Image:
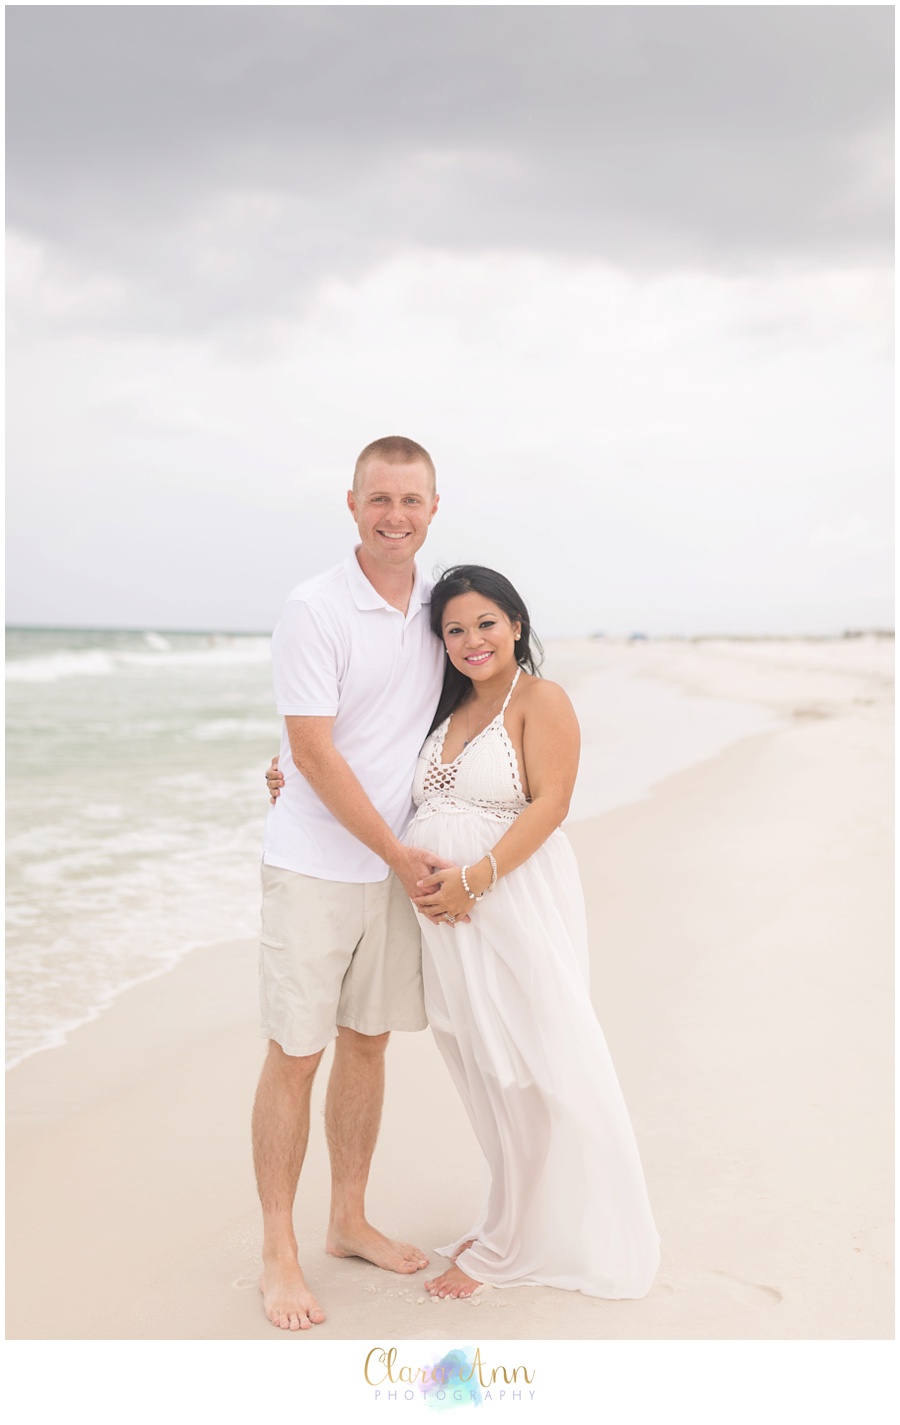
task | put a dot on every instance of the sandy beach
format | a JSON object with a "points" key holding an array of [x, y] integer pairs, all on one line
{"points": [[742, 970]]}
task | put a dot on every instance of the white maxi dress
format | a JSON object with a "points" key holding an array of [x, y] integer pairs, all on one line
{"points": [[508, 1003]]}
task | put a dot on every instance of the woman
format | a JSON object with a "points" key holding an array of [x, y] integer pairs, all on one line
{"points": [[505, 967], [507, 993]]}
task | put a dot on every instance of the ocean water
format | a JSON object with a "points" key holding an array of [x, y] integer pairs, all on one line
{"points": [[134, 815], [136, 798]]}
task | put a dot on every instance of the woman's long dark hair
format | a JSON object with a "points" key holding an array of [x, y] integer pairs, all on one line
{"points": [[475, 579]]}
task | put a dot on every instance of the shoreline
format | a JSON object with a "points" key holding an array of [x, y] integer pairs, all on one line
{"points": [[621, 762], [753, 1052]]}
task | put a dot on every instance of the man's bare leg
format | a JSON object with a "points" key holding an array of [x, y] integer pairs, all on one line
{"points": [[352, 1117], [280, 1134]]}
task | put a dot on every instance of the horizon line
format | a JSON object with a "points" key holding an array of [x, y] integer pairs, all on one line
{"points": [[597, 637]]}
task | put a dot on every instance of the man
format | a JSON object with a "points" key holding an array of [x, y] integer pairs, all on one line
{"points": [[358, 674]]}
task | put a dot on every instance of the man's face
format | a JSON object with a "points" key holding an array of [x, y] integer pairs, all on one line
{"points": [[393, 508]]}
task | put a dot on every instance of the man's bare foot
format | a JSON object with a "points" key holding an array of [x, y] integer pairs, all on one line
{"points": [[288, 1301], [453, 1282], [364, 1241]]}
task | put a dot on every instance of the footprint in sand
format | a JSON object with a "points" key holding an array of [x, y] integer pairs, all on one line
{"points": [[245, 1283], [750, 1293]]}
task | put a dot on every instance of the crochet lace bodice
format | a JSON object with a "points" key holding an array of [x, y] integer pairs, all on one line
{"points": [[484, 778]]}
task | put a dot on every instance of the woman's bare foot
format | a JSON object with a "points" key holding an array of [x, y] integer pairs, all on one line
{"points": [[453, 1282], [288, 1301], [366, 1242]]}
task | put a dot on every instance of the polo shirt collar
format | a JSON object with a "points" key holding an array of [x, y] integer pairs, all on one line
{"points": [[367, 597]]}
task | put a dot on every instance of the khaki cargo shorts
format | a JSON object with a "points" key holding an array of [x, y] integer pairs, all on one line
{"points": [[336, 953]]}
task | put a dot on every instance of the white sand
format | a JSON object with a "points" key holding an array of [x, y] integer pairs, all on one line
{"points": [[742, 972]]}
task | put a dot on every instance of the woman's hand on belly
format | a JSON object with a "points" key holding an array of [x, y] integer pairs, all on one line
{"points": [[444, 899]]}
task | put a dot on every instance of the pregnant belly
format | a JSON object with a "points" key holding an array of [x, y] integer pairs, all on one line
{"points": [[463, 837]]}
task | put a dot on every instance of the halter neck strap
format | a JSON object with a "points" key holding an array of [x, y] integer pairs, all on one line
{"points": [[510, 693]]}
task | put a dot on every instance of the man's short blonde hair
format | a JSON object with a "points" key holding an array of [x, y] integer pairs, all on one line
{"points": [[394, 450]]}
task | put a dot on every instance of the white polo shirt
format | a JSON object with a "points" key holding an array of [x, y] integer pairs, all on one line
{"points": [[339, 650]]}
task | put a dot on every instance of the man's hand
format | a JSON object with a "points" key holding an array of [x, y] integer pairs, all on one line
{"points": [[413, 865], [274, 780]]}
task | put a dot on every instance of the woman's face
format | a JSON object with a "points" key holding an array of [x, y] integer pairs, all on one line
{"points": [[479, 637]]}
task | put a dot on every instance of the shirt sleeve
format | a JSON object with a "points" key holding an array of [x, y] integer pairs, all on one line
{"points": [[306, 662]]}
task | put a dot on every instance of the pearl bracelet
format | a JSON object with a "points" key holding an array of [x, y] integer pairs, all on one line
{"points": [[471, 894]]}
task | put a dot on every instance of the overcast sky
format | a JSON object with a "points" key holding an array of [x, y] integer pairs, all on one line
{"points": [[624, 271]]}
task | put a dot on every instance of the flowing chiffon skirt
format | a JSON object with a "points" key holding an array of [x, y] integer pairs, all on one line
{"points": [[508, 1003]]}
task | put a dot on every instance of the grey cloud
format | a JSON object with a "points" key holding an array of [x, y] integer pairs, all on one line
{"points": [[218, 159]]}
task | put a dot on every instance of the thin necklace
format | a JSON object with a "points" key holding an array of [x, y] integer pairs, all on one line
{"points": [[468, 737]]}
